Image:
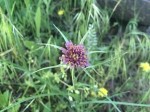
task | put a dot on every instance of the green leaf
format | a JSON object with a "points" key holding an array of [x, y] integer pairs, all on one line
{"points": [[66, 40], [31, 45], [8, 6], [38, 21], [15, 108], [27, 2], [4, 99]]}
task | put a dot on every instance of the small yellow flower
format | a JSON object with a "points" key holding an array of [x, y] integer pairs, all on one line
{"points": [[102, 92], [93, 94], [145, 66], [60, 12]]}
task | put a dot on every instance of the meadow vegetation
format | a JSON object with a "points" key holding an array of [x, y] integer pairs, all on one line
{"points": [[34, 79]]}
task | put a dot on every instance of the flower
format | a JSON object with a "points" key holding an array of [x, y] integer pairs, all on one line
{"points": [[145, 66], [93, 94], [74, 55], [60, 12], [102, 92]]}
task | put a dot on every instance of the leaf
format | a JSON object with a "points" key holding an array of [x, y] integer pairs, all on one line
{"points": [[8, 6], [27, 2], [15, 108], [31, 45], [66, 40], [4, 99], [38, 21]]}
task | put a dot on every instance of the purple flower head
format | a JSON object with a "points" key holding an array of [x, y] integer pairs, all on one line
{"points": [[74, 55]]}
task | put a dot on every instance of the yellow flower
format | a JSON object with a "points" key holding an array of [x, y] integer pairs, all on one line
{"points": [[93, 94], [60, 12], [102, 92], [145, 66]]}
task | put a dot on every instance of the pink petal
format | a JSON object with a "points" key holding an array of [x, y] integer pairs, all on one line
{"points": [[68, 44]]}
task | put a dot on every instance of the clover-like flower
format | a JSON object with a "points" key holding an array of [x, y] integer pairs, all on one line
{"points": [[74, 55]]}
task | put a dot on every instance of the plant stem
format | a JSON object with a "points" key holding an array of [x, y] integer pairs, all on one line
{"points": [[72, 75]]}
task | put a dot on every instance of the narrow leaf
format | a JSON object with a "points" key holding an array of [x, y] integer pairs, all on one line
{"points": [[66, 40], [38, 21]]}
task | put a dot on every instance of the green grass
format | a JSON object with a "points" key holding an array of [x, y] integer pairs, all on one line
{"points": [[32, 78]]}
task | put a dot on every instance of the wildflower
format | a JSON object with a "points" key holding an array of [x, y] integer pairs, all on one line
{"points": [[74, 55], [145, 66], [93, 94], [60, 12], [102, 92]]}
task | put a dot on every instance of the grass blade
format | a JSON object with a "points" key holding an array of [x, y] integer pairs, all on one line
{"points": [[66, 40]]}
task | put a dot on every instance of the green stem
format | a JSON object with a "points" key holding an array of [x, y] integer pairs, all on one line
{"points": [[72, 75]]}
